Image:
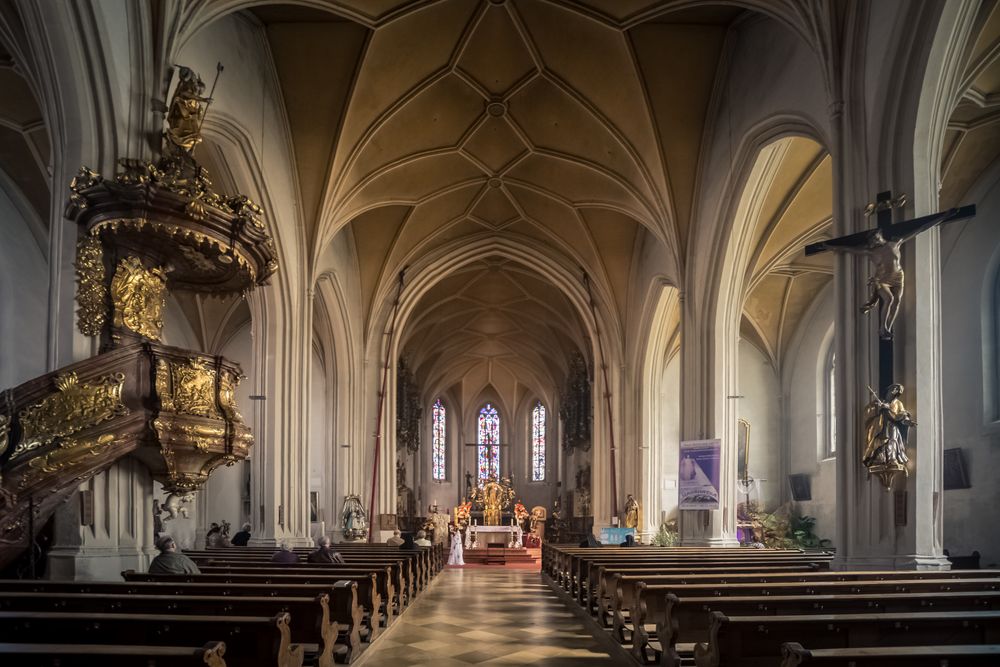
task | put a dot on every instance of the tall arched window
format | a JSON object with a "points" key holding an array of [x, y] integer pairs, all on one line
{"points": [[439, 447], [831, 404], [538, 443], [488, 440]]}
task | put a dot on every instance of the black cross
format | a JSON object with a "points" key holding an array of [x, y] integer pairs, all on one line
{"points": [[891, 232], [489, 454]]}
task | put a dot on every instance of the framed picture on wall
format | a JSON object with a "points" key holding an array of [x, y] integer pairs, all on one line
{"points": [[314, 506]]}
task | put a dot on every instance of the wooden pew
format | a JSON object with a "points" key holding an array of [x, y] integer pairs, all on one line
{"points": [[111, 655], [685, 621], [651, 606], [744, 641], [396, 589], [643, 596], [428, 561], [582, 579], [600, 598], [257, 640], [345, 607], [566, 561], [981, 655], [416, 567], [406, 572], [311, 624], [368, 595], [370, 587]]}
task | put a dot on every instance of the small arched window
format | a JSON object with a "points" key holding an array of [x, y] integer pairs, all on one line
{"points": [[538, 443], [488, 439], [439, 443]]}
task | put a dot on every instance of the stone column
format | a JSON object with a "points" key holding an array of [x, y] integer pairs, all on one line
{"points": [[708, 380], [876, 528], [121, 534], [279, 478]]}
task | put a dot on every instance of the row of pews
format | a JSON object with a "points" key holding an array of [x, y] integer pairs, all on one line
{"points": [[746, 607], [241, 610]]}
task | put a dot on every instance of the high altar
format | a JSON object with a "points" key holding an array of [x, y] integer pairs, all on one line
{"points": [[490, 500], [492, 497]]}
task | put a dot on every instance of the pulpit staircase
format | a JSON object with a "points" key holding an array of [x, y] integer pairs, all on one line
{"points": [[152, 228]]}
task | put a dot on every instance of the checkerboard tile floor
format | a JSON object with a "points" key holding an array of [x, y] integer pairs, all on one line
{"points": [[488, 617]]}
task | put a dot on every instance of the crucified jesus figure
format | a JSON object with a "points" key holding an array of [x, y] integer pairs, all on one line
{"points": [[886, 282], [881, 245]]}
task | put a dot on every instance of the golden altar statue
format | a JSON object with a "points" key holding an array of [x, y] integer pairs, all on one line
{"points": [[493, 496]]}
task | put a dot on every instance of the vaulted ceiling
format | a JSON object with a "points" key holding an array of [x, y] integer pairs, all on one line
{"points": [[796, 209], [573, 127], [24, 149], [972, 142]]}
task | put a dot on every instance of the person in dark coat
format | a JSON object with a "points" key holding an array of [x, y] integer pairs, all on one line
{"points": [[325, 552], [408, 543], [284, 554], [170, 560], [242, 538]]}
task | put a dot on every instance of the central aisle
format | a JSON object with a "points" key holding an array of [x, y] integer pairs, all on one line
{"points": [[488, 617]]}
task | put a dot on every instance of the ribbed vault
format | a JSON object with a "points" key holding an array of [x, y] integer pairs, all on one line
{"points": [[796, 208]]}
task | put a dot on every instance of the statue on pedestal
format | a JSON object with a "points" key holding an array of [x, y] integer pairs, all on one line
{"points": [[631, 512], [887, 423], [355, 519]]}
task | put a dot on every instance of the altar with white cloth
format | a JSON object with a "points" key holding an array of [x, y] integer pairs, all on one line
{"points": [[478, 537]]}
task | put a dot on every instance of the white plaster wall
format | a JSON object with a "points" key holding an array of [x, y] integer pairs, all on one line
{"points": [[760, 405], [806, 414], [24, 283], [969, 257]]}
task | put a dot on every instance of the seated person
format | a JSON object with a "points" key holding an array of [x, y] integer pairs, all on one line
{"points": [[629, 541], [590, 541], [408, 543], [422, 540], [170, 560], [325, 553], [242, 538], [395, 540], [212, 537], [284, 554]]}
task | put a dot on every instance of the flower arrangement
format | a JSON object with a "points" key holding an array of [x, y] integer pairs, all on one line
{"points": [[520, 512], [463, 512]]}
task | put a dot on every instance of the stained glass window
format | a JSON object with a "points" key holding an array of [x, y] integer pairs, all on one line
{"points": [[538, 443], [489, 440], [438, 443]]}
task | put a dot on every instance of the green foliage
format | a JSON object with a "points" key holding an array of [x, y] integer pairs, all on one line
{"points": [[667, 536], [782, 529], [801, 530]]}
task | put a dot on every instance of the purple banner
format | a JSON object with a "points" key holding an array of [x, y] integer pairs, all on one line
{"points": [[698, 484]]}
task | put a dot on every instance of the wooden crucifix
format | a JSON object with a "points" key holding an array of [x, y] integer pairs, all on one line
{"points": [[882, 246]]}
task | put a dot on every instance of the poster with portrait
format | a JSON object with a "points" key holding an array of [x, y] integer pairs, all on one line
{"points": [[698, 483]]}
